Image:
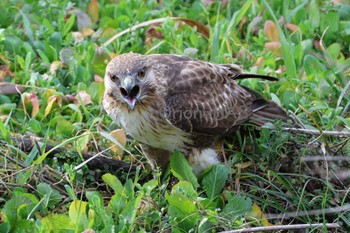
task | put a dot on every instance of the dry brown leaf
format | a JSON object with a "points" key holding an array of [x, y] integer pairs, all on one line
{"points": [[35, 103], [271, 32], [201, 28], [259, 62], [78, 36], [98, 78], [256, 213], [10, 88], [151, 33], [88, 32], [274, 47], [55, 65], [84, 97], [50, 102], [292, 27], [120, 136], [5, 71], [93, 11], [83, 19]]}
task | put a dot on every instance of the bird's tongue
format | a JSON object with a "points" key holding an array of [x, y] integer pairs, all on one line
{"points": [[131, 102]]}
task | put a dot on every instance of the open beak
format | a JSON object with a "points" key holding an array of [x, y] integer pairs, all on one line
{"points": [[130, 91]]}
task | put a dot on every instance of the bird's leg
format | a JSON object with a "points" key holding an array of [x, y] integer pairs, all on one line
{"points": [[201, 159], [156, 156]]}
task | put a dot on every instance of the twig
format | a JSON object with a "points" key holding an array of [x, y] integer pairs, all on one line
{"points": [[344, 208], [14, 160], [26, 186], [328, 158], [296, 118], [318, 132], [200, 28], [100, 162], [284, 227]]}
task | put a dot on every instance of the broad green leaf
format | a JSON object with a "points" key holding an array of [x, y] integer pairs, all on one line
{"points": [[215, 180], [314, 16], [129, 213], [64, 127], [334, 51], [27, 29], [81, 142], [312, 65], [183, 212], [236, 206], [181, 169], [11, 208], [57, 223], [35, 125], [113, 182], [68, 26], [77, 214], [70, 192], [94, 198], [51, 195]]}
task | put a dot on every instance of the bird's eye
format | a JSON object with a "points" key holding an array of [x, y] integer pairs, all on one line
{"points": [[114, 78], [141, 73]]}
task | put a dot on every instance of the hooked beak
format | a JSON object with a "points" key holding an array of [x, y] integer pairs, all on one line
{"points": [[130, 91]]}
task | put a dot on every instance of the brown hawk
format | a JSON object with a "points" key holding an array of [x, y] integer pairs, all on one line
{"points": [[170, 102]]}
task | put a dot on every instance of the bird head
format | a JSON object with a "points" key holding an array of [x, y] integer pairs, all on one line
{"points": [[127, 78]]}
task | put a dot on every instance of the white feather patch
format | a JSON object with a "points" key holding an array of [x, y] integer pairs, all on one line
{"points": [[202, 159]]}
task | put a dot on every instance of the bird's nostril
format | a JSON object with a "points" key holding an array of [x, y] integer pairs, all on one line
{"points": [[123, 92], [130, 93], [134, 91]]}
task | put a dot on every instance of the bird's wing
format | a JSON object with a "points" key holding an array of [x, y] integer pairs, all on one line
{"points": [[202, 97]]}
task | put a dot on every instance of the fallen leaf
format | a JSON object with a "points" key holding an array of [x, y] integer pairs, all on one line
{"points": [[55, 65], [5, 71], [88, 32], [84, 97], [98, 78], [292, 27], [93, 11], [259, 62], [201, 28], [83, 19], [274, 47], [271, 32], [153, 32], [256, 213], [35, 103], [317, 44], [66, 55], [7, 88], [52, 99], [120, 136], [78, 37]]}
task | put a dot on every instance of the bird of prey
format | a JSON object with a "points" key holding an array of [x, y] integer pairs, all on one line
{"points": [[170, 102]]}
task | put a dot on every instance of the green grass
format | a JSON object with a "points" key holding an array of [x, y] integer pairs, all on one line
{"points": [[44, 47]]}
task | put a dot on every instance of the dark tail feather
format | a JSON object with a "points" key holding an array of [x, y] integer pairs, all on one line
{"points": [[244, 76], [265, 110]]}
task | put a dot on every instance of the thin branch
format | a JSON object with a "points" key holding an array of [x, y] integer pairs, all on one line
{"points": [[318, 132], [284, 227], [333, 210], [327, 158], [200, 27]]}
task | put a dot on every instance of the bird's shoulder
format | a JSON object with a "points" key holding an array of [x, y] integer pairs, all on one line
{"points": [[183, 73]]}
